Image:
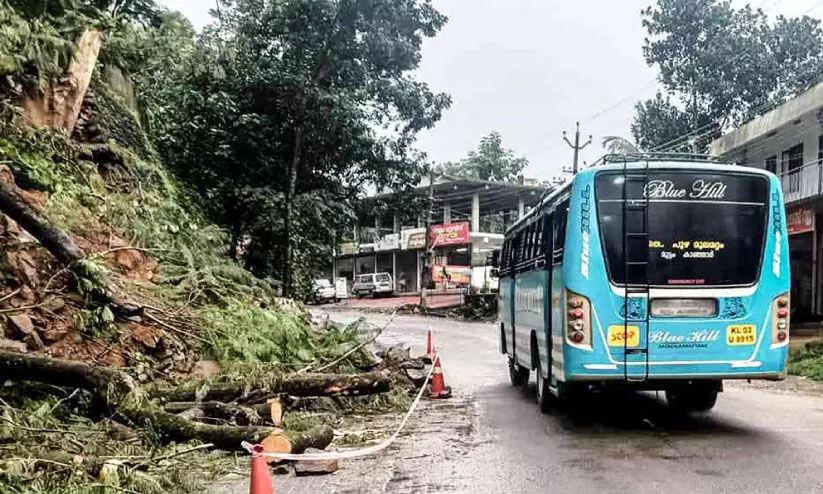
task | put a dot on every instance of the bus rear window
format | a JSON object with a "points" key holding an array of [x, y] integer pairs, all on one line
{"points": [[703, 228]]}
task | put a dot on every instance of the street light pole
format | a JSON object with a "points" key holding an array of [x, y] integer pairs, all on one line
{"points": [[576, 146], [429, 246]]}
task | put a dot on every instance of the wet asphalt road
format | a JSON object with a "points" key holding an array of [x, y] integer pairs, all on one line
{"points": [[490, 437]]}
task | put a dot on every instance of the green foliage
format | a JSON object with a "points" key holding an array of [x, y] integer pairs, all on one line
{"points": [[249, 334], [659, 121], [32, 430], [243, 334], [491, 161], [618, 145], [32, 49], [808, 360], [40, 159], [719, 66], [321, 90]]}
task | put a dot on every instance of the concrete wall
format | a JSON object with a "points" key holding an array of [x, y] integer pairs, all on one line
{"points": [[760, 127], [800, 184]]}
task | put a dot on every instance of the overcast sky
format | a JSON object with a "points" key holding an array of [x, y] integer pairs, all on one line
{"points": [[530, 68]]}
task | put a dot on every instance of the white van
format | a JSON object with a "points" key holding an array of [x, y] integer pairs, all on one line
{"points": [[373, 285]]}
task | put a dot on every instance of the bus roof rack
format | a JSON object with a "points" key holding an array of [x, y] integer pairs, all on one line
{"points": [[619, 158]]}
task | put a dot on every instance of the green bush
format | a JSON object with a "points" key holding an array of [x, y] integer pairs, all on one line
{"points": [[808, 360]]}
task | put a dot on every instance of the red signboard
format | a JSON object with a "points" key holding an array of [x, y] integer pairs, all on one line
{"points": [[450, 234], [800, 221]]}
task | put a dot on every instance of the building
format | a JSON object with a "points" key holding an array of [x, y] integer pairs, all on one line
{"points": [[469, 218], [788, 141]]}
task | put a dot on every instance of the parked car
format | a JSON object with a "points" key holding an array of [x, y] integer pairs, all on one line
{"points": [[324, 291], [373, 285]]}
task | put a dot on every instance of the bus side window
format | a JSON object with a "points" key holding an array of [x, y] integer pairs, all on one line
{"points": [[561, 214], [522, 247], [532, 236], [501, 259], [546, 241]]}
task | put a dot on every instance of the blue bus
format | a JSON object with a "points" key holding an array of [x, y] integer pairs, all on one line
{"points": [[648, 272]]}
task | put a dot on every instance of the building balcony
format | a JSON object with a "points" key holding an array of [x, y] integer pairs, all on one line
{"points": [[802, 183]]}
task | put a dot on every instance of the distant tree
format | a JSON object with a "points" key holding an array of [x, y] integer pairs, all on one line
{"points": [[718, 67], [618, 145], [292, 109], [491, 161]]}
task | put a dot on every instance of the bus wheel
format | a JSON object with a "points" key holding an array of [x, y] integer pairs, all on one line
{"points": [[692, 398], [518, 375], [543, 393]]}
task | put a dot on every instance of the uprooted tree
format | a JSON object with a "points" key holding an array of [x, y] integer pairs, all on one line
{"points": [[119, 391]]}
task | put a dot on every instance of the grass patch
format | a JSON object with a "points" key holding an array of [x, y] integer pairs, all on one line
{"points": [[807, 361]]}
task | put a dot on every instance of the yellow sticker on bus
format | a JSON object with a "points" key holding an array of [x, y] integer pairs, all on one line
{"points": [[741, 334], [631, 335]]}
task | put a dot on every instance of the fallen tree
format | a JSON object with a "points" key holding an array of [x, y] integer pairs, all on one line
{"points": [[59, 244], [293, 385], [120, 392]]}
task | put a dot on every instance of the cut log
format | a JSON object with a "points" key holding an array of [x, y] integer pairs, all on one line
{"points": [[119, 391], [318, 437], [275, 443], [295, 385], [298, 442], [238, 414], [417, 377]]}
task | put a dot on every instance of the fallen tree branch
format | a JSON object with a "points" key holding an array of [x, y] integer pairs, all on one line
{"points": [[238, 414], [58, 243], [294, 385], [174, 329], [18, 309], [358, 347], [118, 390], [10, 295]]}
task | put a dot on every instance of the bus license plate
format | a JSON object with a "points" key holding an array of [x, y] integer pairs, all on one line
{"points": [[740, 334], [632, 336]]}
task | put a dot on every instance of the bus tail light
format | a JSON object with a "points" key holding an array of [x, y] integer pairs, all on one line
{"points": [[578, 319], [780, 319]]}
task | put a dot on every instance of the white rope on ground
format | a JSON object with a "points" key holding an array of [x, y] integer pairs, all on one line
{"points": [[355, 453]]}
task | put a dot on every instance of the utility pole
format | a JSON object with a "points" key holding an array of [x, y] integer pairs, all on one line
{"points": [[425, 278], [576, 146]]}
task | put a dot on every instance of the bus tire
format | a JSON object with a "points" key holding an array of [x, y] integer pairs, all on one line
{"points": [[518, 375], [543, 393], [692, 398]]}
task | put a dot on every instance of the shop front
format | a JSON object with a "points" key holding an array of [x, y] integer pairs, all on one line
{"points": [[408, 260], [802, 254], [451, 263]]}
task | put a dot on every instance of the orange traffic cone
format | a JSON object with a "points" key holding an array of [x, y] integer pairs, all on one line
{"points": [[438, 387], [429, 346], [260, 477]]}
